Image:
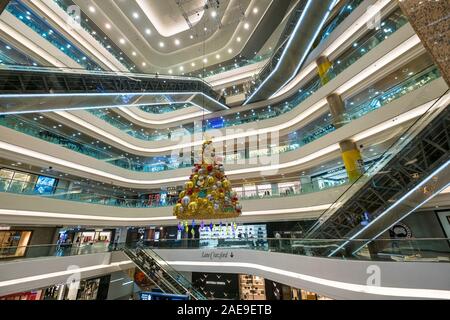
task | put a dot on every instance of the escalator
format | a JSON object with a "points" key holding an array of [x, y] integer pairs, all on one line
{"points": [[411, 172], [305, 23], [167, 279], [38, 89]]}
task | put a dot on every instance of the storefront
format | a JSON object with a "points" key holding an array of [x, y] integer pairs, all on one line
{"points": [[18, 182], [29, 295], [86, 237], [251, 287], [215, 286], [13, 242], [233, 235], [87, 289]]}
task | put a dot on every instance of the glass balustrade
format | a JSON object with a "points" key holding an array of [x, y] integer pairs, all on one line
{"points": [[165, 108], [10, 55], [109, 199], [98, 35], [318, 128], [238, 63], [24, 14], [390, 25], [389, 250], [345, 11]]}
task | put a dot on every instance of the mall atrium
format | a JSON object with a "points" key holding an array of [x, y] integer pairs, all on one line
{"points": [[224, 150]]}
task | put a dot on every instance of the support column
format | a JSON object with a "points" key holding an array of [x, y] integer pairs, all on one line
{"points": [[3, 4], [349, 150], [323, 68], [430, 19], [337, 109], [352, 159]]}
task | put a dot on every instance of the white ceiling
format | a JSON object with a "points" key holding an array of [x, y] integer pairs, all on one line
{"points": [[177, 35]]}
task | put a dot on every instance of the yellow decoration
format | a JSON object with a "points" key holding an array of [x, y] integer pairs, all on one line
{"points": [[193, 206], [226, 184], [178, 207], [189, 185]]}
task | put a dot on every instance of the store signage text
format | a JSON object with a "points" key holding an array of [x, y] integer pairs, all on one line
{"points": [[212, 255]]}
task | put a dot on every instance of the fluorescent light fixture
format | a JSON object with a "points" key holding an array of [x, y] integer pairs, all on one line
{"points": [[61, 215], [41, 214], [288, 45], [169, 120], [361, 22]]}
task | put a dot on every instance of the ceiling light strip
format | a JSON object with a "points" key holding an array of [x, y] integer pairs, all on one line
{"points": [[60, 215], [338, 43], [358, 288], [376, 66], [322, 152]]}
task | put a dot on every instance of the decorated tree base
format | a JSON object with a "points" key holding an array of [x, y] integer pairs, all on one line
{"points": [[208, 193]]}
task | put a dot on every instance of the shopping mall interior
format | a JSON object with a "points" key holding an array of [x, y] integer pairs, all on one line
{"points": [[224, 150]]}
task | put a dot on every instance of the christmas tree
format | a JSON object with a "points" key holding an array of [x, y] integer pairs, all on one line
{"points": [[208, 193]]}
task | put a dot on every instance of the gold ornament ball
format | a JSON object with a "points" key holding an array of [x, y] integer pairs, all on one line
{"points": [[193, 206], [189, 185]]}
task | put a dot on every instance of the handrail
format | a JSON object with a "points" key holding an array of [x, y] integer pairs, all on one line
{"points": [[385, 158], [123, 245], [162, 279], [149, 252]]}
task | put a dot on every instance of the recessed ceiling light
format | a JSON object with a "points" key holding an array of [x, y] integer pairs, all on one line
{"points": [[191, 36], [230, 50], [214, 13], [148, 31], [255, 10], [91, 9], [144, 64], [135, 15], [238, 39], [205, 29], [205, 60], [193, 64], [170, 71], [246, 26], [181, 68], [217, 56], [107, 26], [177, 42], [134, 53], [161, 44], [122, 40]]}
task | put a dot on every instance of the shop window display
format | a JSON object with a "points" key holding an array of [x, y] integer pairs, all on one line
{"points": [[13, 243], [217, 285], [252, 287], [30, 295]]}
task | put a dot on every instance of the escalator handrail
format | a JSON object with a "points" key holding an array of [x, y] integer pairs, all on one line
{"points": [[190, 290], [170, 288], [387, 155]]}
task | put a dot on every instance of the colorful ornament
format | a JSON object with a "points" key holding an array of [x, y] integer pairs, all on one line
{"points": [[208, 193]]}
